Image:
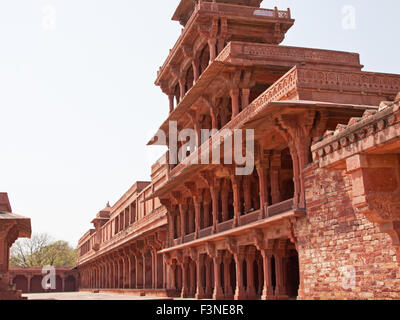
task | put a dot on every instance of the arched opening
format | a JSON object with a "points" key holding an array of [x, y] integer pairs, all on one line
{"points": [[58, 284], [21, 283], [36, 284], [70, 284], [293, 275]]}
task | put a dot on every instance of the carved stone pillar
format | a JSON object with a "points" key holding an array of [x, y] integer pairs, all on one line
{"points": [[298, 131], [236, 180], [200, 294], [245, 98], [262, 167], [185, 275], [171, 103], [216, 257], [235, 102], [240, 293], [212, 43], [280, 254], [268, 290]]}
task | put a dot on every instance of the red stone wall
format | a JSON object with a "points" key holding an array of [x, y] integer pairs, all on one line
{"points": [[333, 236]]}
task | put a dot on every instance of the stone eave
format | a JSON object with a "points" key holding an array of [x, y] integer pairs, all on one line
{"points": [[237, 231], [305, 105]]}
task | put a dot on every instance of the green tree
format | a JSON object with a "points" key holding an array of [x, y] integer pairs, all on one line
{"points": [[42, 250]]}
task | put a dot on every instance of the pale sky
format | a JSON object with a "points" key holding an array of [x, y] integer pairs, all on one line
{"points": [[78, 101]]}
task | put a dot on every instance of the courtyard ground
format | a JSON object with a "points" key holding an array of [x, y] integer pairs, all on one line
{"points": [[86, 296]]}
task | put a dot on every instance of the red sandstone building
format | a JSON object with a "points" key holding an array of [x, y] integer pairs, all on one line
{"points": [[317, 218]]}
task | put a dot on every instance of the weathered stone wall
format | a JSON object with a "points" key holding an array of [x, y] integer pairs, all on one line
{"points": [[332, 236]]}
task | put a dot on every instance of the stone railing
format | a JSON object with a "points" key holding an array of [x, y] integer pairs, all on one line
{"points": [[244, 220], [279, 208], [249, 218]]}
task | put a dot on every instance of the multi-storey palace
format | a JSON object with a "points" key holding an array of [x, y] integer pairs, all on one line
{"points": [[317, 218]]}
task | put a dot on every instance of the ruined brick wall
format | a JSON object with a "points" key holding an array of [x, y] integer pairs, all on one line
{"points": [[332, 236]]}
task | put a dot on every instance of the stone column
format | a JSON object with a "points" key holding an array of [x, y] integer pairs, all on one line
{"points": [[236, 199], [298, 131], [182, 88], [171, 277], [240, 293], [212, 43], [234, 93], [182, 211], [280, 291], [196, 73], [245, 98], [200, 294], [171, 102], [262, 167], [218, 294], [29, 278], [185, 275]]}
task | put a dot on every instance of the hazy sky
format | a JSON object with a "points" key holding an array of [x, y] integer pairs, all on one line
{"points": [[78, 101]]}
